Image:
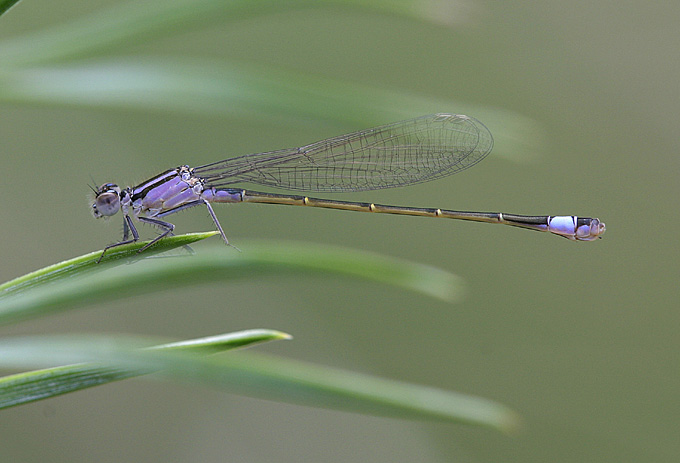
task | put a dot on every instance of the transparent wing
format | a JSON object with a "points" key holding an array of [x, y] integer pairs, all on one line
{"points": [[398, 154]]}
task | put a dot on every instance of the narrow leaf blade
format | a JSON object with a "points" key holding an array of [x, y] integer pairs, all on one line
{"points": [[64, 291], [266, 377], [126, 23], [82, 264], [31, 386], [249, 91]]}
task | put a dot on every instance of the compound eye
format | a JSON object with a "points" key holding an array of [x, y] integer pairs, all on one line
{"points": [[107, 201]]}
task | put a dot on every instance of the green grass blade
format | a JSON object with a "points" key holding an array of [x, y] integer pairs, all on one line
{"points": [[43, 384], [202, 86], [223, 342], [83, 264], [65, 291], [128, 23], [264, 377], [5, 5], [249, 91]]}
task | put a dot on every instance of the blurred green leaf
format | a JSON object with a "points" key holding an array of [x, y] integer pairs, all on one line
{"points": [[69, 286], [263, 377], [43, 384], [197, 87], [127, 23], [248, 91], [6, 5]]}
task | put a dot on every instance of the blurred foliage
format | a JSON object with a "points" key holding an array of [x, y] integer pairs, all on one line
{"points": [[65, 65], [81, 281]]}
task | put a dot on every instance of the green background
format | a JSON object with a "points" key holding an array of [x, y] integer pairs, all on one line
{"points": [[579, 338]]}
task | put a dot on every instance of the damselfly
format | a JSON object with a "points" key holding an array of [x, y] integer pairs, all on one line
{"points": [[393, 155]]}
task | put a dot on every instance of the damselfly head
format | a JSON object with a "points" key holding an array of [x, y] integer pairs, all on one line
{"points": [[106, 200]]}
